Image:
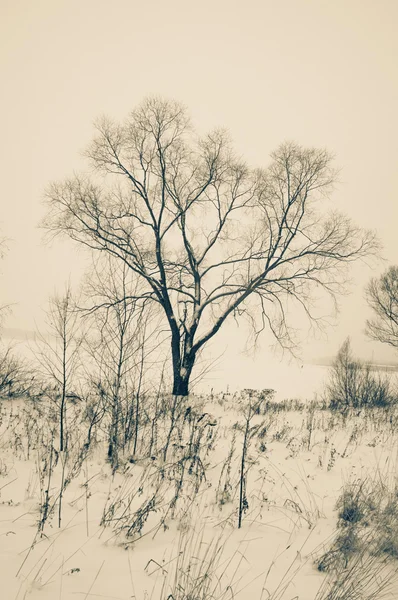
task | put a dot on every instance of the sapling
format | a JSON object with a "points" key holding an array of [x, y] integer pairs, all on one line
{"points": [[118, 346], [255, 402], [176, 410], [310, 425], [224, 488], [48, 467], [58, 354]]}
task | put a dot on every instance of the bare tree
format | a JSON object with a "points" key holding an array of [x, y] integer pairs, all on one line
{"points": [[119, 344], [209, 237], [382, 297], [58, 354]]}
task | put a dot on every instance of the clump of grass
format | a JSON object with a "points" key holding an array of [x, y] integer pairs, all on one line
{"points": [[346, 545], [165, 488], [356, 502], [224, 492], [387, 527], [366, 577], [367, 537], [200, 570]]}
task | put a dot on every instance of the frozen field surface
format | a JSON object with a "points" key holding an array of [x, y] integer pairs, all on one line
{"points": [[164, 524]]}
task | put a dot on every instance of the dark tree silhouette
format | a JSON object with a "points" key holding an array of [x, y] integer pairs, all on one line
{"points": [[209, 237], [382, 297]]}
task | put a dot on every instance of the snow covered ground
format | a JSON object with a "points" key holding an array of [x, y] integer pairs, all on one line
{"points": [[167, 527]]}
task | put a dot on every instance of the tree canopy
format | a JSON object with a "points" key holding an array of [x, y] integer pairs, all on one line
{"points": [[208, 236]]}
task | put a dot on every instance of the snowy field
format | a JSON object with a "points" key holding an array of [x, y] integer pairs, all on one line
{"points": [[164, 525], [289, 380]]}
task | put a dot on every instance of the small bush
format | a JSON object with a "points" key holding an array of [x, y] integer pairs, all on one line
{"points": [[345, 547], [354, 504], [15, 378], [354, 385]]}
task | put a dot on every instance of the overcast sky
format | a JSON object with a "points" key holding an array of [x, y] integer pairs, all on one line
{"points": [[322, 73]]}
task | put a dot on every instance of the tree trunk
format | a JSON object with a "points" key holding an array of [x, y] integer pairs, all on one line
{"points": [[182, 377], [180, 386], [62, 421]]}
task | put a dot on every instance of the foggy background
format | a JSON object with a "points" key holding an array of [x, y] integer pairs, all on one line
{"points": [[321, 73]]}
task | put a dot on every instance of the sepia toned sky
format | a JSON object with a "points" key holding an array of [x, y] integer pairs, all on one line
{"points": [[320, 72]]}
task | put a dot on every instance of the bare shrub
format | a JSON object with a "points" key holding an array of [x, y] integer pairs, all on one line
{"points": [[16, 378], [354, 385]]}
